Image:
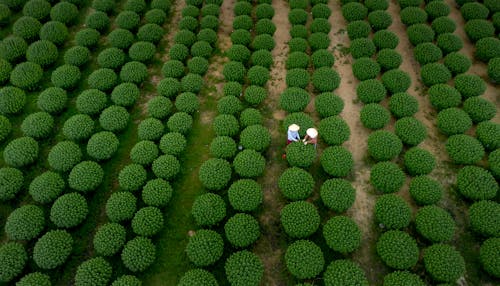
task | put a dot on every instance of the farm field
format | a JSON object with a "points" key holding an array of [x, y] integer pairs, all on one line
{"points": [[144, 142]]}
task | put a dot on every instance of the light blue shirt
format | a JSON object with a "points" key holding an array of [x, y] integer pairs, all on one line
{"points": [[293, 135]]}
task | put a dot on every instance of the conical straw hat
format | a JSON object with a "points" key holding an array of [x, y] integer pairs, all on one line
{"points": [[312, 132], [294, 127]]}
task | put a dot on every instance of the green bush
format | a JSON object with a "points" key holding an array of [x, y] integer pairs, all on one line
{"points": [[298, 4], [233, 88], [411, 131], [374, 116], [229, 105], [157, 193], [5, 69], [334, 130], [249, 117], [362, 47], [443, 96], [26, 75], [25, 223], [198, 277], [215, 174], [488, 133], [396, 81], [403, 105], [419, 161], [241, 37], [244, 268], [265, 26], [173, 143], [255, 137], [264, 11], [337, 161], [12, 100], [37, 125], [66, 77], [298, 45], [147, 221], [464, 149], [300, 155], [109, 239], [409, 3], [166, 167], [208, 209], [384, 145], [379, 20], [134, 72], [387, 177], [392, 212], [150, 33], [64, 155], [120, 38], [397, 249], [371, 91], [494, 69], [374, 5], [35, 278], [258, 75], [449, 42], [443, 25], [5, 14], [476, 183], [457, 63], [434, 73], [443, 263], [85, 176], [294, 99], [494, 163], [69, 210], [163, 5], [453, 120], [420, 33], [365, 68], [205, 247], [304, 259], [435, 224], [52, 249], [111, 58], [342, 234], [413, 15], [21, 152], [318, 41], [242, 8], [385, 39], [249, 163], [234, 71], [137, 6], [138, 254], [180, 122], [197, 65], [344, 272], [102, 79], [245, 195], [78, 127], [5, 127], [64, 12], [55, 32], [300, 219], [493, 6], [321, 10], [223, 147], [354, 11], [97, 20], [358, 29], [125, 94], [27, 28], [320, 25], [337, 194], [187, 102], [487, 49], [479, 109], [12, 48], [297, 16], [488, 254], [132, 177], [474, 10], [426, 53], [243, 22], [201, 49], [102, 145], [242, 230], [328, 104], [436, 9], [103, 5], [403, 278], [478, 29], [483, 216], [262, 58], [263, 42], [94, 271], [46, 187], [87, 37], [470, 85], [169, 87], [13, 259], [121, 206], [155, 16], [226, 125], [296, 184]]}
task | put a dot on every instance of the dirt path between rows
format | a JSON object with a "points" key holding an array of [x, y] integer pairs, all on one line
{"points": [[272, 242]]}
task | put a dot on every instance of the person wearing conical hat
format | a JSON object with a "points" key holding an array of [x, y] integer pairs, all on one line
{"points": [[311, 137], [293, 134]]}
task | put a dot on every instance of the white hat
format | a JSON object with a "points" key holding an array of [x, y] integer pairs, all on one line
{"points": [[312, 132], [294, 127]]}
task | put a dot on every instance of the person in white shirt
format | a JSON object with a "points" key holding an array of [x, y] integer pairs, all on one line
{"points": [[311, 137], [293, 134]]}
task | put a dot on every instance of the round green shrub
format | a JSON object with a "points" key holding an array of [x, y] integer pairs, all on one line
{"points": [[371, 91], [234, 71], [294, 99], [342, 234], [464, 149], [242, 8], [494, 163], [255, 137], [205, 247], [300, 219], [103, 5], [241, 37], [173, 143], [320, 25], [403, 104], [38, 9], [134, 72], [137, 6], [396, 81], [102, 145], [488, 256], [264, 11], [157, 193], [243, 22], [208, 209], [244, 268], [358, 29], [449, 42], [55, 32], [249, 117], [379, 20], [476, 183], [249, 163], [12, 48], [385, 39], [453, 120], [494, 69], [159, 107], [477, 29], [5, 127], [403, 278], [226, 125], [37, 125], [409, 3], [488, 133], [69, 210], [297, 16], [420, 33], [362, 47], [337, 194], [97, 20], [392, 212], [233, 88], [121, 206], [180, 122], [95, 271], [150, 33], [120, 38], [229, 105], [26, 75], [296, 184], [443, 25], [138, 254], [443, 96], [46, 187], [111, 58], [483, 216], [254, 95], [114, 118], [102, 79], [215, 174], [322, 58], [426, 53], [374, 5], [436, 9], [147, 221], [387, 177], [443, 263], [198, 277], [109, 239], [320, 10], [163, 5], [12, 100], [487, 49], [354, 11], [262, 58], [344, 272], [410, 131], [208, 9], [265, 26], [64, 12], [201, 49], [298, 45], [187, 102], [384, 145], [66, 77], [184, 39], [78, 127], [434, 73], [242, 230], [263, 42], [374, 116], [470, 85], [64, 155], [5, 69], [223, 147], [258, 75], [169, 87], [304, 259], [474, 10], [197, 65], [25, 223], [27, 28], [365, 68], [337, 161], [328, 104], [155, 16], [318, 41], [87, 37], [12, 182], [132, 177], [166, 167], [334, 130], [397, 249], [300, 155], [35, 278], [479, 109], [419, 161], [125, 94], [457, 63], [85, 176], [13, 259], [435, 224], [52, 249], [21, 152]]}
